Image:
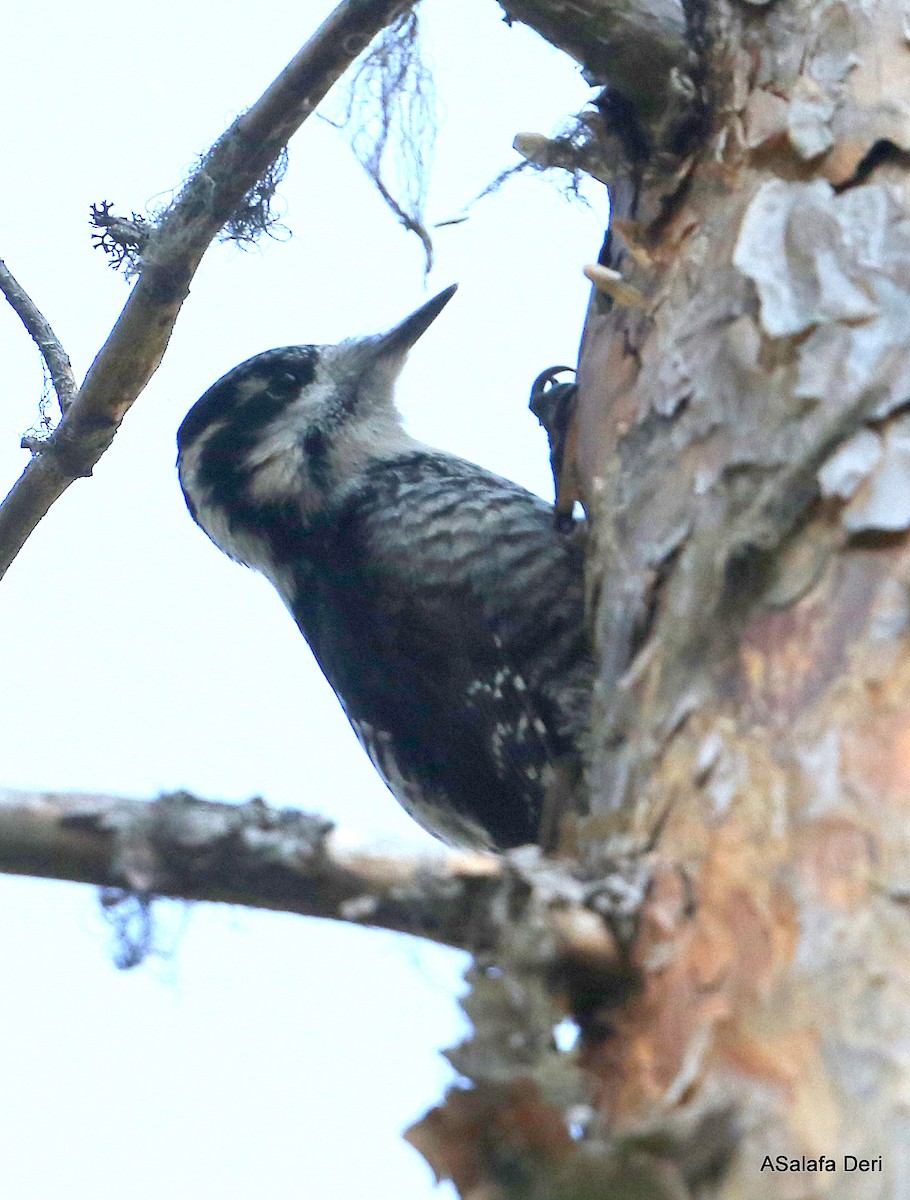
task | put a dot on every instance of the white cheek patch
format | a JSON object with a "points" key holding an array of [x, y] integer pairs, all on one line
{"points": [[276, 471], [278, 439], [276, 468], [243, 546]]}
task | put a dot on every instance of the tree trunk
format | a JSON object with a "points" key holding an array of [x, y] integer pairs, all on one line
{"points": [[745, 459]]}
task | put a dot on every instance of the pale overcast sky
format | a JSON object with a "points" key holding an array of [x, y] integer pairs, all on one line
{"points": [[270, 1055]]}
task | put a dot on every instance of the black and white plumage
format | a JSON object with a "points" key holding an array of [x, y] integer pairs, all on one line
{"points": [[441, 603]]}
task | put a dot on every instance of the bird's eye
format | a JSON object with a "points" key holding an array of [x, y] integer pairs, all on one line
{"points": [[284, 383]]}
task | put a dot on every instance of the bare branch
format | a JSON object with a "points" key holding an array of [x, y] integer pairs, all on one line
{"points": [[289, 861], [136, 345], [638, 46], [55, 357]]}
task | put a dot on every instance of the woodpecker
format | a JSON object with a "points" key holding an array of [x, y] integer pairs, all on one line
{"points": [[440, 601]]}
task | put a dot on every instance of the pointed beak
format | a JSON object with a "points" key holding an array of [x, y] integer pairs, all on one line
{"points": [[402, 337]]}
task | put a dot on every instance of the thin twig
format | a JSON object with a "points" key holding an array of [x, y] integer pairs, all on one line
{"points": [[55, 357], [136, 345]]}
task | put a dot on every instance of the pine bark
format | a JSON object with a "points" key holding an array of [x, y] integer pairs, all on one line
{"points": [[745, 456]]}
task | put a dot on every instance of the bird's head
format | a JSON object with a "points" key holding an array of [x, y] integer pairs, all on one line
{"points": [[297, 423]]}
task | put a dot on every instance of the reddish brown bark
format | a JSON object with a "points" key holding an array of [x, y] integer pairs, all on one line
{"points": [[746, 465]]}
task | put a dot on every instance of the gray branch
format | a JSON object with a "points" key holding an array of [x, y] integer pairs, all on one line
{"points": [[290, 861], [55, 357], [136, 345]]}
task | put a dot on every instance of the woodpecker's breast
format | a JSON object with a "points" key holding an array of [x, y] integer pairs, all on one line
{"points": [[448, 616]]}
